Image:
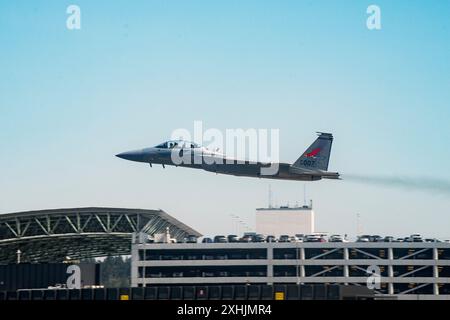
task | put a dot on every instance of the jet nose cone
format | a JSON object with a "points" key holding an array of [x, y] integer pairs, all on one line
{"points": [[123, 155], [135, 155]]}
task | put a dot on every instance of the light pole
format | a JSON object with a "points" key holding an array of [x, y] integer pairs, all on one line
{"points": [[234, 223], [18, 252]]}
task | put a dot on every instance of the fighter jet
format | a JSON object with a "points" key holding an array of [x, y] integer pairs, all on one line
{"points": [[311, 166]]}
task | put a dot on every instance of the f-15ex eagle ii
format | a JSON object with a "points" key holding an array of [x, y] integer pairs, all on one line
{"points": [[312, 164]]}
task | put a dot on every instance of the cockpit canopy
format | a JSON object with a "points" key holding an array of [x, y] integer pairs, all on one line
{"points": [[177, 144]]}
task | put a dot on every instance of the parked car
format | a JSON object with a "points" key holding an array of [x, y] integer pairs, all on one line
{"points": [[432, 240], [258, 238], [233, 238], [336, 238], [191, 239], [284, 238], [246, 238], [295, 239], [389, 239], [376, 238], [207, 240], [415, 238], [314, 238], [363, 238], [220, 239], [271, 239]]}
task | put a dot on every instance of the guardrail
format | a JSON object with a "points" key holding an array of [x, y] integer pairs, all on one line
{"points": [[203, 292]]}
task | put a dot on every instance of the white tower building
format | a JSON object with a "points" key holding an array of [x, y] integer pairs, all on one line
{"points": [[287, 220]]}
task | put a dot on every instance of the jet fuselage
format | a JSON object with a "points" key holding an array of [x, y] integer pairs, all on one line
{"points": [[311, 166]]}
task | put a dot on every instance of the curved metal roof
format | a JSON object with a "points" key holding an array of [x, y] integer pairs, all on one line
{"points": [[52, 235]]}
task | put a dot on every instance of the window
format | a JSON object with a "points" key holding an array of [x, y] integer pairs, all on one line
{"points": [[172, 144], [162, 145]]}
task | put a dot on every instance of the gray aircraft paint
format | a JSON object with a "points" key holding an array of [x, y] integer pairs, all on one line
{"points": [[312, 164]]}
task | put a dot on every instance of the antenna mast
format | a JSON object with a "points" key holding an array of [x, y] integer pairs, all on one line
{"points": [[304, 194], [270, 196], [358, 224]]}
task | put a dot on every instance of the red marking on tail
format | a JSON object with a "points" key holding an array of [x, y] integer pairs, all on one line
{"points": [[313, 153]]}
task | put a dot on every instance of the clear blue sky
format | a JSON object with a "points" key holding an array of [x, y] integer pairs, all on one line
{"points": [[71, 100]]}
